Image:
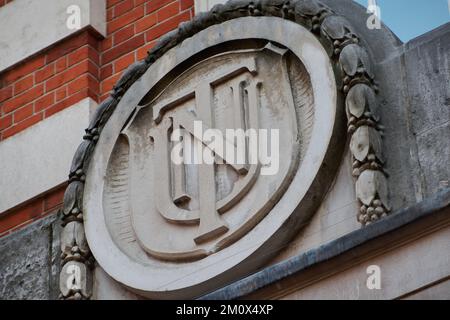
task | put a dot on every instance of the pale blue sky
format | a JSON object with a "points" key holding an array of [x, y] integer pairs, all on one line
{"points": [[411, 18]]}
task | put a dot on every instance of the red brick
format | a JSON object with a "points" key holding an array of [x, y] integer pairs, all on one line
{"points": [[168, 11], [123, 34], [78, 84], [23, 84], [77, 97], [167, 26], [24, 69], [103, 97], [124, 62], [146, 22], [61, 64], [109, 14], [108, 84], [23, 113], [21, 215], [45, 73], [94, 55], [85, 81], [123, 48], [61, 93], [106, 71], [139, 2], [5, 121], [10, 220], [186, 4], [23, 99], [6, 93], [156, 4], [123, 7], [22, 125], [106, 44], [125, 19], [70, 74], [54, 199], [93, 69], [94, 86], [34, 209], [86, 52], [142, 52], [44, 102], [71, 44], [111, 3]]}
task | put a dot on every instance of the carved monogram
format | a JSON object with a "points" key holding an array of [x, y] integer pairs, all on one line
{"points": [[198, 201]]}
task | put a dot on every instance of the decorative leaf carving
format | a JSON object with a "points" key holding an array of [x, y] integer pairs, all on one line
{"points": [[365, 141], [129, 76], [166, 42], [272, 8], [361, 99], [309, 8], [309, 13], [101, 115], [336, 28], [73, 198], [79, 160], [370, 185], [355, 60], [73, 239]]}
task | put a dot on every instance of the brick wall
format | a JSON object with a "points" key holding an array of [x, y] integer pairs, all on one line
{"points": [[4, 2], [49, 82], [31, 211], [83, 65], [133, 27]]}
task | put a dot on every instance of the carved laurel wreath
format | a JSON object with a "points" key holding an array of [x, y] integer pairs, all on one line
{"points": [[355, 78]]}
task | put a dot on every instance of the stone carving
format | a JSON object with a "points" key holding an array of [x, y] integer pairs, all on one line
{"points": [[204, 207], [358, 88]]}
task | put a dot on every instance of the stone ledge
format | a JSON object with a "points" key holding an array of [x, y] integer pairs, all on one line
{"points": [[428, 208], [28, 26], [37, 159]]}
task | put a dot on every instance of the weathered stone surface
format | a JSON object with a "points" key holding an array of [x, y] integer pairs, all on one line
{"points": [[427, 69], [414, 108], [433, 147], [106, 288], [401, 161], [29, 261], [417, 165]]}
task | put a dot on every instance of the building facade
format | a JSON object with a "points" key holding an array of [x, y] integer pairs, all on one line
{"points": [[357, 208]]}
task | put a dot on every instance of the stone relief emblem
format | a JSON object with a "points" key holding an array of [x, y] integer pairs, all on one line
{"points": [[151, 224], [206, 207]]}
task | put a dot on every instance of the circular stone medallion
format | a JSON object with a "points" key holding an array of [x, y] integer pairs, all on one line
{"points": [[257, 97]]}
